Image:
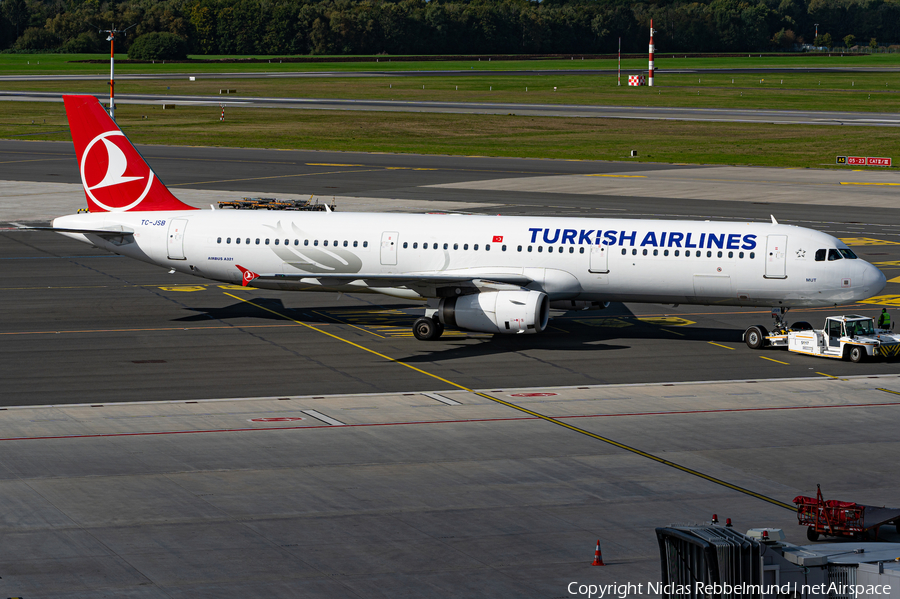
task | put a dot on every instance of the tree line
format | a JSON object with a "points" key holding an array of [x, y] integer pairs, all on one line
{"points": [[296, 27]]}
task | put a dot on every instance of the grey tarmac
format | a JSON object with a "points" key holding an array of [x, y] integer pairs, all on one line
{"points": [[150, 438], [716, 115]]}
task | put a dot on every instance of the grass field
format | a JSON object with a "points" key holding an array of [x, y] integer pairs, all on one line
{"points": [[37, 64], [865, 92], [565, 138]]}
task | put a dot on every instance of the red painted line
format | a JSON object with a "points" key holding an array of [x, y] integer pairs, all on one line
{"points": [[290, 428]]}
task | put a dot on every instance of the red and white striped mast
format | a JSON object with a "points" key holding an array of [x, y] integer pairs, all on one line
{"points": [[111, 38], [650, 70]]}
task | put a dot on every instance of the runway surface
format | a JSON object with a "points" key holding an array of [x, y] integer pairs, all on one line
{"points": [[724, 115], [434, 73], [452, 468]]}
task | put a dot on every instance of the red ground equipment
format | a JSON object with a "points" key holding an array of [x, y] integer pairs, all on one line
{"points": [[841, 518]]}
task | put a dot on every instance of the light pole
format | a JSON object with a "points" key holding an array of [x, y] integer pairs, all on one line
{"points": [[817, 33]]}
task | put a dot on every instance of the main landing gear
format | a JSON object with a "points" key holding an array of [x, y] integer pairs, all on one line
{"points": [[427, 328]]}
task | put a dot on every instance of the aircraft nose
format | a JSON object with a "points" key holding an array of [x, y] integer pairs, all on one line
{"points": [[873, 280]]}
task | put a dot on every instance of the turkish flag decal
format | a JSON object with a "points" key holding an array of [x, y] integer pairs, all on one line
{"points": [[498, 238]]}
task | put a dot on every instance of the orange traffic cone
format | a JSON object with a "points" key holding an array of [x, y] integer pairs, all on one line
{"points": [[598, 558]]}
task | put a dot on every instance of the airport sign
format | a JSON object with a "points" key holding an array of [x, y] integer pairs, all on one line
{"points": [[863, 161]]}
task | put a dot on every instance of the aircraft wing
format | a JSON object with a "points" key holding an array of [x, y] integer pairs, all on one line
{"points": [[479, 281], [109, 232]]}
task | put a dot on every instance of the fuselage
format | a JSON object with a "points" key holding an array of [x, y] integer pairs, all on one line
{"points": [[658, 261]]}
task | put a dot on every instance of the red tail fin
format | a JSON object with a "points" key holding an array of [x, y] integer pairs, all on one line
{"points": [[113, 173]]}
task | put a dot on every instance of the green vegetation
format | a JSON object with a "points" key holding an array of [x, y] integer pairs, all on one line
{"points": [[866, 92], [447, 26], [158, 46], [583, 139], [55, 64]]}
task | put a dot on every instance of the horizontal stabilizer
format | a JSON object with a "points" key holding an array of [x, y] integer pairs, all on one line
{"points": [[105, 233]]}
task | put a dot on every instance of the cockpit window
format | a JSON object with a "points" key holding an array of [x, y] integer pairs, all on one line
{"points": [[833, 254], [820, 255], [846, 253]]}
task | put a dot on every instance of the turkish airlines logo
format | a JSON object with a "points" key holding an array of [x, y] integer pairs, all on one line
{"points": [[113, 174]]}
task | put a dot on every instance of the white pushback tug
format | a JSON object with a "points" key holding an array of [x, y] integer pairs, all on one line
{"points": [[850, 337]]}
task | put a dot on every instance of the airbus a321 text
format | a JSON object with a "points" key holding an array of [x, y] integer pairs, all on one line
{"points": [[494, 274]]}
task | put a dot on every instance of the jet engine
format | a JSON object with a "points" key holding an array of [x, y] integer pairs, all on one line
{"points": [[497, 312]]}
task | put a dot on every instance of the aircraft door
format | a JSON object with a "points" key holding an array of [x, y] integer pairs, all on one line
{"points": [[776, 256], [175, 242], [389, 248], [599, 259]]}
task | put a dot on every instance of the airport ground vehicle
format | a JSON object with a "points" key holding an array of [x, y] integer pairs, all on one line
{"points": [[842, 518], [850, 337]]}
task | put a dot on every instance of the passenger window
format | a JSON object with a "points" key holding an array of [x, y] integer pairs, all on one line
{"points": [[455, 246], [355, 244], [665, 252], [296, 242], [257, 241], [624, 251], [305, 242], [434, 247], [445, 246], [676, 253], [316, 242], [325, 243], [519, 249], [365, 244], [634, 252], [540, 248], [752, 255], [833, 254], [820, 255], [267, 241], [847, 253], [581, 250], [415, 245], [228, 240], [219, 240], [502, 248], [487, 247], [698, 253], [345, 244], [247, 241], [720, 254], [529, 248], [731, 254], [335, 243], [238, 241], [645, 252], [405, 244], [709, 254], [276, 241], [287, 242], [424, 246], [656, 252], [572, 250], [475, 247], [465, 246], [740, 254]]}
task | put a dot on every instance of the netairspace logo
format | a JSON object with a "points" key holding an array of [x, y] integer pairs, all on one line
{"points": [[628, 589]]}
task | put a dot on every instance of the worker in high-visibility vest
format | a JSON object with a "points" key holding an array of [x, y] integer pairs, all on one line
{"points": [[884, 321]]}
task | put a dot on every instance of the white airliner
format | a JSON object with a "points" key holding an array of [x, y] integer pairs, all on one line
{"points": [[495, 274]]}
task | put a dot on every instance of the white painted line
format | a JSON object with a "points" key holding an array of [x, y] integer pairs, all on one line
{"points": [[442, 399], [323, 417]]}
